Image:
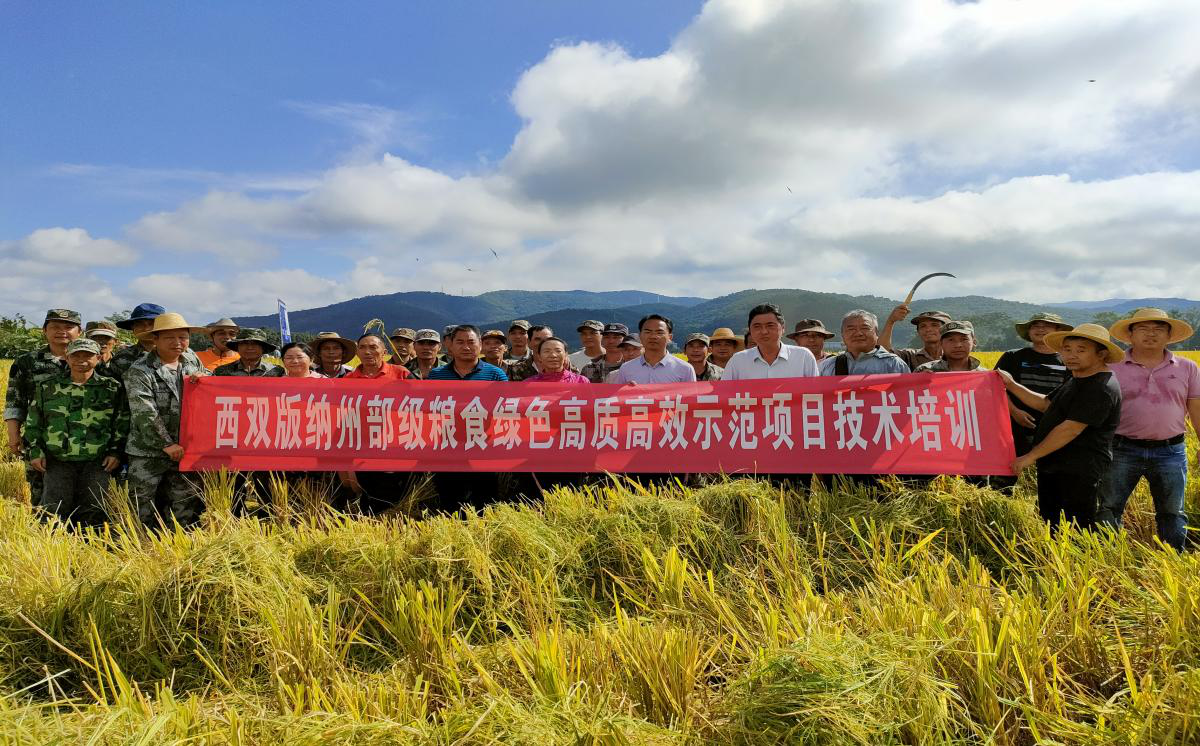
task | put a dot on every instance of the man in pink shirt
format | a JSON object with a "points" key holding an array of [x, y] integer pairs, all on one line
{"points": [[1160, 392]]}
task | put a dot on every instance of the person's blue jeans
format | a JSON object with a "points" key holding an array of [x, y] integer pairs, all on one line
{"points": [[1165, 469]]}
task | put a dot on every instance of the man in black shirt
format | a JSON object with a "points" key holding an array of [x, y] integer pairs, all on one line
{"points": [[1073, 441], [1038, 369]]}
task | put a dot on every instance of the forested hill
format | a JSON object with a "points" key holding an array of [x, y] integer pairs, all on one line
{"points": [[563, 310]]}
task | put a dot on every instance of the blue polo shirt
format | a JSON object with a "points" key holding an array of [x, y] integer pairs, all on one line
{"points": [[482, 372]]}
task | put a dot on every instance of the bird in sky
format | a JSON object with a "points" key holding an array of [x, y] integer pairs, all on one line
{"points": [[494, 253]]}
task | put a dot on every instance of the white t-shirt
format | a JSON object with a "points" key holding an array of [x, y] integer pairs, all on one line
{"points": [[580, 359]]}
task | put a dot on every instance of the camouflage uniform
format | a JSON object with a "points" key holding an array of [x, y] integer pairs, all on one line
{"points": [[711, 372], [414, 368], [74, 427], [262, 370], [155, 394], [941, 366], [597, 370], [26, 373], [123, 359]]}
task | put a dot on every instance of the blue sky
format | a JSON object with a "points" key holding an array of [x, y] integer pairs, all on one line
{"points": [[124, 108], [200, 151]]}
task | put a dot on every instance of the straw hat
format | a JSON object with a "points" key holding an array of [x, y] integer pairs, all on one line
{"points": [[1094, 332], [169, 322], [349, 348], [225, 323], [1180, 330], [725, 333]]}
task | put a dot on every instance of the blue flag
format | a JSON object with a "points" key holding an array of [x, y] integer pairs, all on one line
{"points": [[285, 331]]}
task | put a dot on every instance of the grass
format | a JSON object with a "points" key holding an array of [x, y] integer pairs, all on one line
{"points": [[737, 612]]}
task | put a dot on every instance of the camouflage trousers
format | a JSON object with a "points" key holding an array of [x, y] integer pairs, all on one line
{"points": [[74, 491], [149, 477]]}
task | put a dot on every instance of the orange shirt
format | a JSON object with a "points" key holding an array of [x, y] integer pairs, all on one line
{"points": [[388, 372], [209, 359]]}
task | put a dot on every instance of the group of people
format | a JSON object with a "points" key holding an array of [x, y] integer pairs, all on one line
{"points": [[1095, 418]]}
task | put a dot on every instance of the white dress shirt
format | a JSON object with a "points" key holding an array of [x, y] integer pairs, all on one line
{"points": [[792, 362], [668, 370]]}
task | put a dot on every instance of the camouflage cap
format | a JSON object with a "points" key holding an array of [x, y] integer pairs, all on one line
{"points": [[62, 314], [631, 342], [494, 333], [958, 327], [615, 328], [427, 335], [83, 344], [256, 336], [941, 316], [100, 329], [696, 337], [403, 332], [595, 326], [519, 324], [1048, 318]]}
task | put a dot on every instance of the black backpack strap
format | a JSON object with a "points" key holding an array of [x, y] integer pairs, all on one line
{"points": [[841, 364]]}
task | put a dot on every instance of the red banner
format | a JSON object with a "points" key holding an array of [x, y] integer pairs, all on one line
{"points": [[943, 423]]}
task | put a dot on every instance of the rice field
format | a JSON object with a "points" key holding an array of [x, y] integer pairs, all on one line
{"points": [[740, 612]]}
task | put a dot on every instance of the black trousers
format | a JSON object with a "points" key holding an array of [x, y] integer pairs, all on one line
{"points": [[74, 490], [1068, 496]]}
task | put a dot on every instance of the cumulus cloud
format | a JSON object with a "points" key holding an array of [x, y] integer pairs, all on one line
{"points": [[815, 143], [47, 250], [236, 293]]}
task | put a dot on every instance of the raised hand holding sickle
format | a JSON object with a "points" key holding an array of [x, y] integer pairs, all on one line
{"points": [[902, 310]]}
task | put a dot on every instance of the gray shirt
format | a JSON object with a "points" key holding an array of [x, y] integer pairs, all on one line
{"points": [[868, 363]]}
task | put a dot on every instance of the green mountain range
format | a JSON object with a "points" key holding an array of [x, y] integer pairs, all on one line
{"points": [[564, 310]]}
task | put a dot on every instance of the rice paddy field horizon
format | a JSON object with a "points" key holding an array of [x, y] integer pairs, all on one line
{"points": [[735, 611]]}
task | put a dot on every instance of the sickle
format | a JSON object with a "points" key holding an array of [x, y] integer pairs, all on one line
{"points": [[913, 292]]}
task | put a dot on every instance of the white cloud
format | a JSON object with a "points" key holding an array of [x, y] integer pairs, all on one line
{"points": [[827, 144], [48, 250], [203, 299]]}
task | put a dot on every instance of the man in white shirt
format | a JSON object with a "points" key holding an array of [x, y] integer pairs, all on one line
{"points": [[769, 357], [589, 337], [655, 365]]}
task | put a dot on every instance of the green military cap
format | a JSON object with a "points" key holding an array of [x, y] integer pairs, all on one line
{"points": [[520, 324], [591, 324], [62, 314], [493, 333], [428, 335], [631, 342], [1049, 318], [256, 336], [83, 344], [403, 332], [697, 337], [958, 327], [100, 329], [941, 316]]}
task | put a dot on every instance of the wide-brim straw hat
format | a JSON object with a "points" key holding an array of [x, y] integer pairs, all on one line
{"points": [[349, 348], [225, 323], [1094, 332], [1180, 330], [726, 334], [1046, 318], [169, 322]]}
